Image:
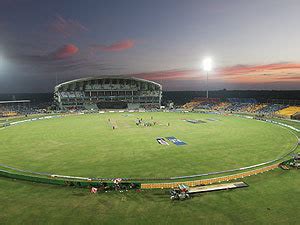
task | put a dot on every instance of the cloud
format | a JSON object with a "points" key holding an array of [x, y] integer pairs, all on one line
{"points": [[115, 47], [258, 69], [66, 27], [65, 51], [175, 74], [64, 60], [239, 75]]}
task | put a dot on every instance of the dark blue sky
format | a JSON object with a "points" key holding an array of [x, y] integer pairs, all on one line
{"points": [[254, 44]]}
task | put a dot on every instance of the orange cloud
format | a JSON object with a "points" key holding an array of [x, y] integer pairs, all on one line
{"points": [[170, 75], [246, 69], [115, 47], [238, 74], [65, 51]]}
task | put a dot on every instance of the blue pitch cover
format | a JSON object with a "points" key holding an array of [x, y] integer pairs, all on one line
{"points": [[176, 141]]}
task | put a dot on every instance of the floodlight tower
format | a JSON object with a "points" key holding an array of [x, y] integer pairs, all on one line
{"points": [[207, 66]]}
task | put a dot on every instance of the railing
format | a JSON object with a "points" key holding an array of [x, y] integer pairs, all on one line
{"points": [[210, 180]]}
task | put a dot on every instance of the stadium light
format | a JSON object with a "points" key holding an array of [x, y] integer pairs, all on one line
{"points": [[207, 66]]}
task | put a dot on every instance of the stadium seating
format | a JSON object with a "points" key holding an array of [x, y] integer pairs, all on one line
{"points": [[270, 108], [242, 106], [221, 106], [76, 94], [289, 111], [192, 104], [201, 103]]}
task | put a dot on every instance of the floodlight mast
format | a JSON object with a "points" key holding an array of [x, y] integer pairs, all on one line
{"points": [[206, 84], [207, 66]]}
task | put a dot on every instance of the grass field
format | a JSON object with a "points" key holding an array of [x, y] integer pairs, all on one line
{"points": [[271, 198], [86, 145]]}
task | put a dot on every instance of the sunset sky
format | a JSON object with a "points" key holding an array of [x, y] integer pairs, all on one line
{"points": [[254, 44]]}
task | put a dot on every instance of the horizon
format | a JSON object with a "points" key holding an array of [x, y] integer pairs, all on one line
{"points": [[161, 41], [219, 90]]}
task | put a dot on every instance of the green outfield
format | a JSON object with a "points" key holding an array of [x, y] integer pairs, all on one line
{"points": [[86, 145]]}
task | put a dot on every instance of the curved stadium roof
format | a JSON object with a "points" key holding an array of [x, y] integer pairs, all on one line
{"points": [[105, 77]]}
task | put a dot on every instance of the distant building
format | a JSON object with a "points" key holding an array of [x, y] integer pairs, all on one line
{"points": [[109, 92]]}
